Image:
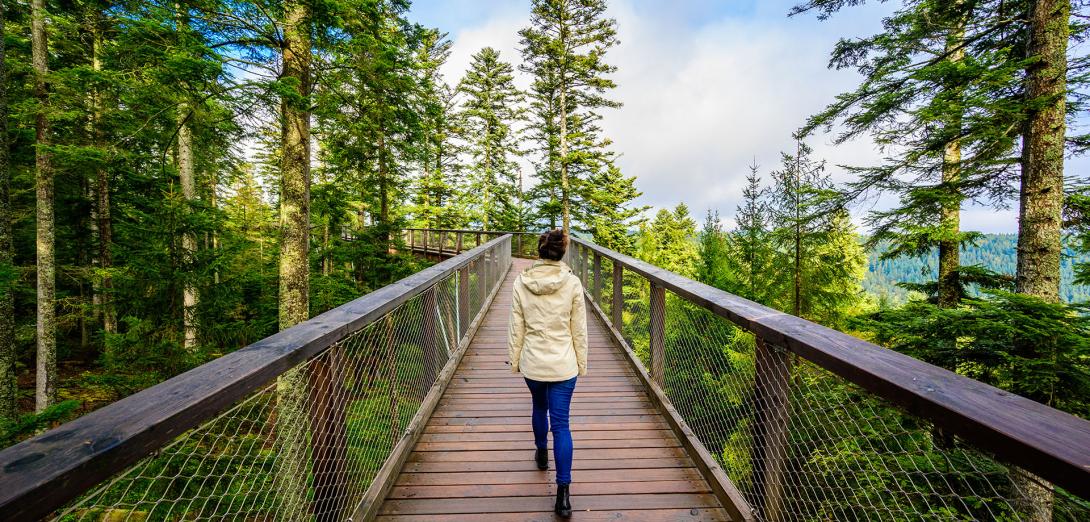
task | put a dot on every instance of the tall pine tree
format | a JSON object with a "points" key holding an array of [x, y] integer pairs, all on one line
{"points": [[491, 112]]}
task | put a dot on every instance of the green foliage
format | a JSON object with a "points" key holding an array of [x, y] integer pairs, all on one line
{"points": [[13, 430], [895, 278], [494, 192], [668, 241]]}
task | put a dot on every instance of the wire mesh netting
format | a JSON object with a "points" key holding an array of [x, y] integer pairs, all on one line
{"points": [[308, 445], [799, 442]]}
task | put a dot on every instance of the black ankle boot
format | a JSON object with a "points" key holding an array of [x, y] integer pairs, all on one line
{"points": [[563, 503], [541, 456]]}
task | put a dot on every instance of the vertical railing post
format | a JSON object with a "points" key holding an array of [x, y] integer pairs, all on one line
{"points": [[458, 239], [463, 301], [429, 339], [597, 294], [330, 438], [658, 333], [412, 240], [617, 306], [583, 254], [442, 241], [391, 378], [772, 378], [478, 240]]}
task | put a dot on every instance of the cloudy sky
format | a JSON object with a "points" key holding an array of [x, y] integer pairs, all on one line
{"points": [[708, 88]]}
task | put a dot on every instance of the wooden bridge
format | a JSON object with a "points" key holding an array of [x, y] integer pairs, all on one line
{"points": [[699, 405]]}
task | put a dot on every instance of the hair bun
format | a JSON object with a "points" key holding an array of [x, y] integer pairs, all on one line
{"points": [[552, 244]]}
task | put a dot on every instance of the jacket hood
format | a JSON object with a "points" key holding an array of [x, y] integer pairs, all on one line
{"points": [[545, 277]]}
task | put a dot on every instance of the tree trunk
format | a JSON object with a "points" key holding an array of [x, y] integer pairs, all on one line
{"points": [[564, 186], [7, 296], [1041, 201], [102, 222], [949, 287], [798, 229], [45, 390], [293, 467], [188, 182]]}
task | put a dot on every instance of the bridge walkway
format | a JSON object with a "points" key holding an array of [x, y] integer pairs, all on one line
{"points": [[475, 457]]}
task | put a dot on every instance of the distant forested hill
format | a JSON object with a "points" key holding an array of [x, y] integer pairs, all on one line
{"points": [[994, 251]]}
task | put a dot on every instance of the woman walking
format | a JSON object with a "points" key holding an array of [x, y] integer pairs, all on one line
{"points": [[547, 343]]}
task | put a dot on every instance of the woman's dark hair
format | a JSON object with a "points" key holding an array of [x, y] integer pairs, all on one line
{"points": [[551, 245]]}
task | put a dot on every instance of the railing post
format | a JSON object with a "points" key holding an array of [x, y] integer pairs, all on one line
{"points": [[458, 239], [478, 240], [597, 278], [391, 378], [617, 306], [658, 333], [772, 378], [583, 254], [430, 346], [412, 240], [330, 442], [463, 301], [442, 241]]}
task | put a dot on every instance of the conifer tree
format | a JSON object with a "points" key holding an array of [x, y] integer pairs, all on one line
{"points": [[668, 241], [751, 256], [491, 111], [933, 95], [435, 192], [8, 387], [608, 212], [800, 214], [563, 48], [45, 393]]}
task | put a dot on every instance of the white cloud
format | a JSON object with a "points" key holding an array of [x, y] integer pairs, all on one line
{"points": [[703, 99]]}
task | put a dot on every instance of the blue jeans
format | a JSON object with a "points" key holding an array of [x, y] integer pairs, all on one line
{"points": [[552, 400]]}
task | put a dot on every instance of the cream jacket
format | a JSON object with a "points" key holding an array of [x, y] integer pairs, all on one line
{"points": [[547, 333]]}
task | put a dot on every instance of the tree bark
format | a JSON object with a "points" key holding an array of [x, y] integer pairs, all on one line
{"points": [[295, 169], [7, 297], [565, 188], [293, 467], [45, 389], [187, 180], [798, 229], [1041, 201], [102, 221], [949, 286]]}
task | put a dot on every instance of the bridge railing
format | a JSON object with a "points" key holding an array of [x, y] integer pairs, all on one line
{"points": [[443, 241], [311, 423], [795, 421]]}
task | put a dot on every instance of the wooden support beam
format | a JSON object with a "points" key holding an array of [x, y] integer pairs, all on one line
{"points": [[597, 295], [429, 307], [616, 308], [583, 253], [459, 240], [329, 456], [770, 400], [463, 301], [658, 333]]}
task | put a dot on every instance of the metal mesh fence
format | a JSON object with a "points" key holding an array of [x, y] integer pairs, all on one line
{"points": [[799, 442], [308, 445]]}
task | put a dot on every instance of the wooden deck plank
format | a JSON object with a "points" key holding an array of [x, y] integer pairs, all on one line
{"points": [[475, 455], [648, 515]]}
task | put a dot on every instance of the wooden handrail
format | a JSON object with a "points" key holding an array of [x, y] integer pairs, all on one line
{"points": [[42, 474], [1050, 443]]}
